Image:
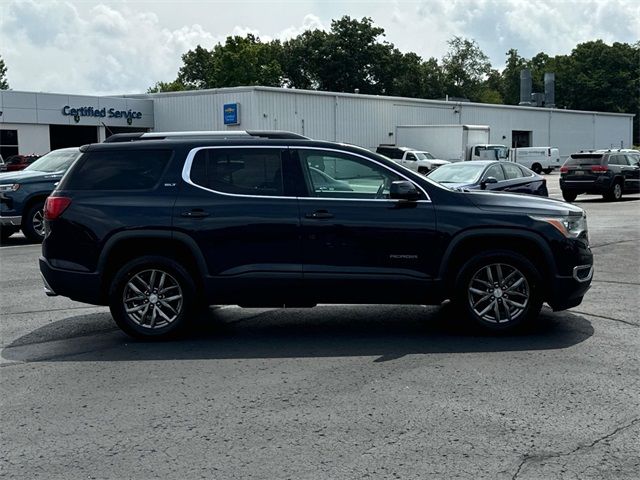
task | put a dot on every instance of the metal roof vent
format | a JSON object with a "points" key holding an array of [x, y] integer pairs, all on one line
{"points": [[526, 85], [550, 90]]}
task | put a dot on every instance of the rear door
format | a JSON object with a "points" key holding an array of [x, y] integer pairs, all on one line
{"points": [[236, 205]]}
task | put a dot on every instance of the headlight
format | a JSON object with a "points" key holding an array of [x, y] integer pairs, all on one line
{"points": [[572, 226], [9, 187]]}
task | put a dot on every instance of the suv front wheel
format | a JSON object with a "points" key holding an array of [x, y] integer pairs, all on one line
{"points": [[499, 290], [152, 297]]}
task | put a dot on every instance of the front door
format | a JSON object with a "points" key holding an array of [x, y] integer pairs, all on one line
{"points": [[238, 208], [358, 245]]}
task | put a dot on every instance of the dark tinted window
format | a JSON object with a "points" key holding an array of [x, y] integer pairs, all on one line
{"points": [[618, 160], [494, 171], [411, 156], [584, 159], [249, 171], [118, 170]]}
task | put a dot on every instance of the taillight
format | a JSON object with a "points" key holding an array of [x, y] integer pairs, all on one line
{"points": [[54, 206], [599, 168], [564, 169]]}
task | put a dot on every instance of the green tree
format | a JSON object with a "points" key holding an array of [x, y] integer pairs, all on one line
{"points": [[465, 68], [175, 86], [4, 83], [511, 77]]}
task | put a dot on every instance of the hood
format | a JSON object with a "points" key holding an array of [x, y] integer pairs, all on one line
{"points": [[29, 175], [520, 203]]}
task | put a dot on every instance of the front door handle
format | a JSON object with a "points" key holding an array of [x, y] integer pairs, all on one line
{"points": [[319, 215], [196, 213]]}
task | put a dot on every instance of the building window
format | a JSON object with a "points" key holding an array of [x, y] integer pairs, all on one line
{"points": [[8, 143]]}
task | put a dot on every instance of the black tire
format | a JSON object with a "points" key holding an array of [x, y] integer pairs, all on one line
{"points": [[569, 196], [423, 170], [489, 306], [548, 170], [33, 223], [615, 192], [536, 167], [127, 291]]}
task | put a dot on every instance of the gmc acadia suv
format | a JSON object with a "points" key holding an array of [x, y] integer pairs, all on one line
{"points": [[158, 225]]}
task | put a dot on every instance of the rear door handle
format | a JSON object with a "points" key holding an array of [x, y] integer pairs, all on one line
{"points": [[319, 215], [195, 214]]}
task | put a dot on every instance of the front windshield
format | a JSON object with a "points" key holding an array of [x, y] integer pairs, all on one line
{"points": [[424, 156], [56, 161], [466, 172]]}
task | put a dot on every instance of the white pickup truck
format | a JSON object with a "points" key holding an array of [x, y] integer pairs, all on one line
{"points": [[417, 160]]}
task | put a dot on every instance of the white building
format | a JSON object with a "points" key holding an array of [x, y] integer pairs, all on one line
{"points": [[364, 120]]}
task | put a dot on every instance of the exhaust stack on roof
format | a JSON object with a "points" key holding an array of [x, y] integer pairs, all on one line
{"points": [[525, 87], [550, 90]]}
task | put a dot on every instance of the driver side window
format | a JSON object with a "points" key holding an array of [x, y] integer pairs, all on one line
{"points": [[494, 171], [340, 175]]}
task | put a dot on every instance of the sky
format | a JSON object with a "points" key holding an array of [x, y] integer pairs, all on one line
{"points": [[125, 46]]}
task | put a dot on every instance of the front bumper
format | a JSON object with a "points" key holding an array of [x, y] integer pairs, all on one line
{"points": [[568, 292], [79, 286]]}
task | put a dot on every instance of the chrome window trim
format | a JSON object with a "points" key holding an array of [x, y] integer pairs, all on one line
{"points": [[186, 174]]}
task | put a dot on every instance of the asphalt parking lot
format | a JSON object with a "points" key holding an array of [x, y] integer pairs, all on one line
{"points": [[334, 392]]}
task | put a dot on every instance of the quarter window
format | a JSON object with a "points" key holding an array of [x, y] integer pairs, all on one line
{"points": [[340, 175], [118, 170], [239, 171]]}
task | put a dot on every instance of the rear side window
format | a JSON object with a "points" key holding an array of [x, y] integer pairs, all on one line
{"points": [[249, 171], [118, 170], [617, 160], [584, 160]]}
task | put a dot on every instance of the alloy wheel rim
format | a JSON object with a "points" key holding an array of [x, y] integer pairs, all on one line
{"points": [[152, 299], [38, 223], [498, 293], [617, 190]]}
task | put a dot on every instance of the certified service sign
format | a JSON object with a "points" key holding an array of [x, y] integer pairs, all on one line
{"points": [[231, 112]]}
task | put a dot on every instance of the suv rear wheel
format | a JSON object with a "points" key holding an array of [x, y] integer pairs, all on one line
{"points": [[152, 297], [499, 290], [615, 193], [569, 196]]}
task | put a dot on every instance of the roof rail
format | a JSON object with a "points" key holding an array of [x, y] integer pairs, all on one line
{"points": [[271, 134]]}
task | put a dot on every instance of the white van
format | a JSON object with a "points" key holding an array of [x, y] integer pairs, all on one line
{"points": [[538, 159]]}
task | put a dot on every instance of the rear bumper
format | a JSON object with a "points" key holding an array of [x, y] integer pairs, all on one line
{"points": [[590, 186], [79, 286]]}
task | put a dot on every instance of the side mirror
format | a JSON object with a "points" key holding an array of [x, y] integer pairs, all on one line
{"points": [[403, 190], [487, 181]]}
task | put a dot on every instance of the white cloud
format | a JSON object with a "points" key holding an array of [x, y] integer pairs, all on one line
{"points": [[110, 46]]}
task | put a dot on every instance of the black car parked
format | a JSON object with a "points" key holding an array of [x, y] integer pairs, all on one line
{"points": [[159, 227], [609, 173], [491, 175]]}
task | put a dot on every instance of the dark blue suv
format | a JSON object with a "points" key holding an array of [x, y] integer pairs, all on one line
{"points": [[163, 224], [23, 193]]}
